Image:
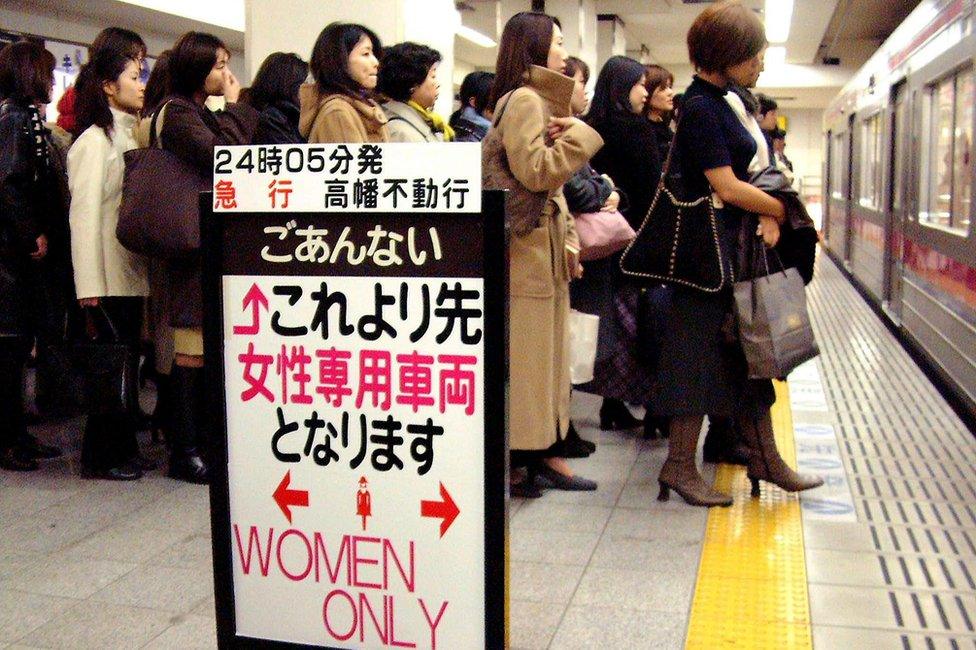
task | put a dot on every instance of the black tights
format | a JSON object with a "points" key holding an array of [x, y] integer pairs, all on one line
{"points": [[110, 440], [13, 425]]}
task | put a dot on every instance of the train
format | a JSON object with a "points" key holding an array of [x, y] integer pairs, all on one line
{"points": [[898, 188]]}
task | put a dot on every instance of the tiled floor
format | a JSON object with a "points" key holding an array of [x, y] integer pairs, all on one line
{"points": [[901, 575]]}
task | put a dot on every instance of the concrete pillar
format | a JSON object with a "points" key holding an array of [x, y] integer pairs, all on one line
{"points": [[507, 9], [293, 26], [610, 40], [578, 18]]}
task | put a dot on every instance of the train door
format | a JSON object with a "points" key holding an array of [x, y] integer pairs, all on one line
{"points": [[898, 199], [827, 188], [849, 185]]}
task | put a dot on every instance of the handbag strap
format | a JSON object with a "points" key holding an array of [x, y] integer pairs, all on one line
{"points": [[759, 245], [666, 167], [108, 321], [155, 137]]}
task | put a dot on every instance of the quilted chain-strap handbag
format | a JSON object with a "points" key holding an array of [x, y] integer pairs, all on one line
{"points": [[670, 243]]}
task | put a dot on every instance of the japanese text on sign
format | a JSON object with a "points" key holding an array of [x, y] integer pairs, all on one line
{"points": [[348, 178]]}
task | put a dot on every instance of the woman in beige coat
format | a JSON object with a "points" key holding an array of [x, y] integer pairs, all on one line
{"points": [[532, 149], [338, 106]]}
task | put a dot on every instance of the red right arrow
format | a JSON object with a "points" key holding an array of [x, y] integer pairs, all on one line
{"points": [[256, 299], [445, 509], [285, 497]]}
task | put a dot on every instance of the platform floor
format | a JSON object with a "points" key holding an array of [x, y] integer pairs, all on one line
{"points": [[886, 550]]}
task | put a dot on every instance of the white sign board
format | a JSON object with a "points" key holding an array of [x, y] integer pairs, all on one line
{"points": [[363, 379]]}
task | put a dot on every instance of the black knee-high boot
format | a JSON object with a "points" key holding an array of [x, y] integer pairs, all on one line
{"points": [[13, 425], [185, 463]]}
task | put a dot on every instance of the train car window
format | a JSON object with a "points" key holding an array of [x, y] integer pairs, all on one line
{"points": [[962, 184], [870, 191], [946, 183], [837, 165]]}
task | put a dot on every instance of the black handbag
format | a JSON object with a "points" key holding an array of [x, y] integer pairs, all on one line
{"points": [[678, 241], [106, 367], [160, 215]]}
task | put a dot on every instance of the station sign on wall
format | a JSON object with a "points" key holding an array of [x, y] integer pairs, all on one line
{"points": [[357, 339]]}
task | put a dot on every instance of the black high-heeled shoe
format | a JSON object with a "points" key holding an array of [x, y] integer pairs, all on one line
{"points": [[575, 447], [615, 416], [15, 460], [34, 448], [655, 427]]}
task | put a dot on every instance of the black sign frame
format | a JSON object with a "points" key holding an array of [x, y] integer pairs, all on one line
{"points": [[492, 227]]}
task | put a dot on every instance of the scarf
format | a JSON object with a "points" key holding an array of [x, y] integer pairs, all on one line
{"points": [[37, 132], [436, 122]]}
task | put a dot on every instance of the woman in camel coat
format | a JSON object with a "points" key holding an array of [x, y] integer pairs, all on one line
{"points": [[338, 106], [537, 144]]}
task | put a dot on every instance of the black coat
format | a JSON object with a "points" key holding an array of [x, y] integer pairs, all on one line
{"points": [[797, 247], [630, 157], [191, 132], [21, 190], [586, 191], [278, 124]]}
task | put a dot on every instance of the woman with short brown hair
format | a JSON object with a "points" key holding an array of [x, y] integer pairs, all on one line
{"points": [[702, 368]]}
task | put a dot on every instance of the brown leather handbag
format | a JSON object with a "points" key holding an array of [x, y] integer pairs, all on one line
{"points": [[160, 212]]}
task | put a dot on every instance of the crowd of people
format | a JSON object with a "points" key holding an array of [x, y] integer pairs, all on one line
{"points": [[667, 348]]}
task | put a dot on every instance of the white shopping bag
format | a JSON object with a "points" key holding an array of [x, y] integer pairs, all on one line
{"points": [[583, 336]]}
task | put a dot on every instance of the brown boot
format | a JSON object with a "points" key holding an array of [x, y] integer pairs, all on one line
{"points": [[766, 464], [680, 473]]}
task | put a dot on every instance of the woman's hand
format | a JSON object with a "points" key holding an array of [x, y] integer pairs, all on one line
{"points": [[573, 264], [559, 125], [232, 87], [768, 229], [88, 302], [41, 251], [613, 202]]}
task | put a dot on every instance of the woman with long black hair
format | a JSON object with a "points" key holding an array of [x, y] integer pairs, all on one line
{"points": [[274, 94], [630, 157], [110, 282]]}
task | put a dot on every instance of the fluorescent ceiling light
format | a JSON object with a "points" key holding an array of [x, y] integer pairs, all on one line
{"points": [[779, 15], [475, 36], [222, 13], [775, 58]]}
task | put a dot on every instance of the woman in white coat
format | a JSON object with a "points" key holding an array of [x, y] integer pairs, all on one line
{"points": [[110, 281]]}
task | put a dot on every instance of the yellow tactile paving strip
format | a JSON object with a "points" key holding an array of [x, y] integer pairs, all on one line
{"points": [[752, 579]]}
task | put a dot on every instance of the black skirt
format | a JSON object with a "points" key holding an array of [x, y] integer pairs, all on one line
{"points": [[701, 369]]}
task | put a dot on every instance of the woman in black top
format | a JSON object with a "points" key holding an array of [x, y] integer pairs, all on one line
{"points": [[26, 179], [629, 157], [659, 107], [629, 154], [274, 94], [589, 192], [702, 368]]}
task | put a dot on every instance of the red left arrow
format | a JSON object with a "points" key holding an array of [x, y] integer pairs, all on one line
{"points": [[285, 497], [445, 509]]}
